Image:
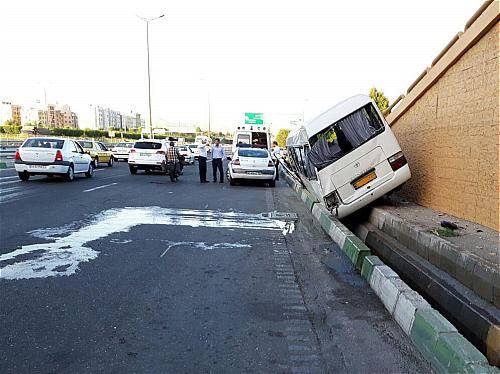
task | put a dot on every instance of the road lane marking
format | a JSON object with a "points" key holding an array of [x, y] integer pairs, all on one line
{"points": [[98, 188], [10, 177], [9, 182]]}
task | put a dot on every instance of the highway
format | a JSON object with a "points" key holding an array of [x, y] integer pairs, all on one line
{"points": [[129, 273]]}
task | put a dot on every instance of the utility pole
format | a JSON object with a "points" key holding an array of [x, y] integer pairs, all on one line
{"points": [[147, 20], [209, 114]]}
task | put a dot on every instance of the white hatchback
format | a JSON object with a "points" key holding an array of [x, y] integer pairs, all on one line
{"points": [[52, 157], [251, 163], [148, 155]]}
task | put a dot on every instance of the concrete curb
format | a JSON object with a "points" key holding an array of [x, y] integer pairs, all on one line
{"points": [[468, 269], [438, 341]]}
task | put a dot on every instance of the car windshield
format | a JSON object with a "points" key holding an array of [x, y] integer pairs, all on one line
{"points": [[44, 143], [85, 144], [147, 145], [257, 153], [193, 146]]}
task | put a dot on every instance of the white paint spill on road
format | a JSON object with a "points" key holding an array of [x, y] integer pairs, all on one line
{"points": [[204, 246], [99, 187], [62, 257]]}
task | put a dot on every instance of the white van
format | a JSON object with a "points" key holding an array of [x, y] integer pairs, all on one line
{"points": [[348, 156], [254, 136]]}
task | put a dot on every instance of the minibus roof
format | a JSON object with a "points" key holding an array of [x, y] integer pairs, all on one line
{"points": [[297, 137], [336, 113]]}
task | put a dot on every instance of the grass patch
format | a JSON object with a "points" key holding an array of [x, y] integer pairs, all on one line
{"points": [[446, 232]]}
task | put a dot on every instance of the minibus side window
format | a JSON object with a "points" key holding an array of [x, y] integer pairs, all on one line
{"points": [[302, 161], [309, 166], [345, 135]]}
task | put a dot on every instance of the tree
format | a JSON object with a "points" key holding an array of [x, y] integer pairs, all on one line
{"points": [[379, 98], [198, 129], [281, 137]]}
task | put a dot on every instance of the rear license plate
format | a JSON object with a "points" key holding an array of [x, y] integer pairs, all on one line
{"points": [[38, 167], [144, 154], [365, 179], [253, 172]]}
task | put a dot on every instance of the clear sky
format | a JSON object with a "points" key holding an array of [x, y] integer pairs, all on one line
{"points": [[283, 58]]}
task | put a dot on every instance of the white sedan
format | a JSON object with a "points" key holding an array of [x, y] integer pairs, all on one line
{"points": [[51, 157], [122, 150], [251, 163], [187, 153]]}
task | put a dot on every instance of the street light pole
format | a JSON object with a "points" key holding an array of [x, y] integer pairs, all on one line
{"points": [[147, 20]]}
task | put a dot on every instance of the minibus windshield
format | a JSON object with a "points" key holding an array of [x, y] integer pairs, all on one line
{"points": [[345, 135]]}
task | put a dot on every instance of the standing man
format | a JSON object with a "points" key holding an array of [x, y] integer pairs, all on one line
{"points": [[218, 155], [202, 161], [276, 154]]}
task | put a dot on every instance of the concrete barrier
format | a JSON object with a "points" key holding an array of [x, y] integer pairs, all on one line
{"points": [[436, 338]]}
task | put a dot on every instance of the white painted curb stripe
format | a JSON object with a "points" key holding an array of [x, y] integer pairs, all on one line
{"points": [[98, 188]]}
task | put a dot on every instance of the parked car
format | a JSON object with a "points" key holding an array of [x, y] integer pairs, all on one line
{"points": [[52, 157], [187, 153], [195, 150], [148, 155], [121, 151], [253, 164], [98, 152]]}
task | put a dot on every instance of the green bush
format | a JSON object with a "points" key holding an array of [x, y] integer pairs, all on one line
{"points": [[10, 129]]}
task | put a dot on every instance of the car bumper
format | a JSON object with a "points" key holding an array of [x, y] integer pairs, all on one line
{"points": [[400, 177], [120, 155], [265, 174], [146, 164], [42, 169]]}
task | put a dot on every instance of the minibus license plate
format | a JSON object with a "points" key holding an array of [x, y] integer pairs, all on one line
{"points": [[364, 180]]}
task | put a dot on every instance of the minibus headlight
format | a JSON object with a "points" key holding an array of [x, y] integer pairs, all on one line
{"points": [[332, 200], [397, 161]]}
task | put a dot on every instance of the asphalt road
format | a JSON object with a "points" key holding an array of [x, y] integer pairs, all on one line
{"points": [[135, 274]]}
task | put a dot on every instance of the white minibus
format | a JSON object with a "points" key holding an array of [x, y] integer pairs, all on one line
{"points": [[348, 156]]}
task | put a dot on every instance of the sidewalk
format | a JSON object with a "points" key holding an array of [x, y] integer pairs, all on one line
{"points": [[472, 256]]}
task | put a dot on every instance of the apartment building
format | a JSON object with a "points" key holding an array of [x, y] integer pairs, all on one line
{"points": [[58, 116]]}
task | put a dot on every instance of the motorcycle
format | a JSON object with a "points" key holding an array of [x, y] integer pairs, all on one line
{"points": [[174, 170]]}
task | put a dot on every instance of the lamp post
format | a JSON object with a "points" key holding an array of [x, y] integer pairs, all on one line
{"points": [[147, 20]]}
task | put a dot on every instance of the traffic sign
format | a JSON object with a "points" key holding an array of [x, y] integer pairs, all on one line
{"points": [[254, 119]]}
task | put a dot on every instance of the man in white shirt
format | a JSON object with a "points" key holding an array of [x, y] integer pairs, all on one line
{"points": [[202, 161], [275, 154], [218, 155]]}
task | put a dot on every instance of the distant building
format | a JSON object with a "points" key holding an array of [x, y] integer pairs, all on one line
{"points": [[106, 118], [16, 114], [58, 117]]}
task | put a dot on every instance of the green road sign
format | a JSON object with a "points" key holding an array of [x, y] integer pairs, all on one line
{"points": [[254, 119]]}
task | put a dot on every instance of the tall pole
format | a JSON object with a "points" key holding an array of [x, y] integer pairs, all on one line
{"points": [[209, 114], [149, 84], [147, 20]]}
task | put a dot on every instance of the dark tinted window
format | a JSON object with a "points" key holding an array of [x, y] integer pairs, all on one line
{"points": [[345, 135], [44, 143], [147, 145], [250, 152]]}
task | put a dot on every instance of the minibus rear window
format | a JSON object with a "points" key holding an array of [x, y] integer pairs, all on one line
{"points": [[345, 135]]}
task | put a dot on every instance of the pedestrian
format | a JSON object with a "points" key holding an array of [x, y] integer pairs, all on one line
{"points": [[202, 161], [276, 154], [218, 155], [173, 162]]}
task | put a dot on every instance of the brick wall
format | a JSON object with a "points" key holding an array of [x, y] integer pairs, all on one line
{"points": [[451, 137]]}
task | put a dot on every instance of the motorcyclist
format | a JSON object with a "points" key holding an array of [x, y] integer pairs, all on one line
{"points": [[173, 162]]}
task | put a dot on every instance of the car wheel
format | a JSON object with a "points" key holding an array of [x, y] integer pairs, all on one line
{"points": [[272, 183], [24, 176], [70, 174], [90, 172], [96, 161], [110, 162], [147, 171], [133, 169]]}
